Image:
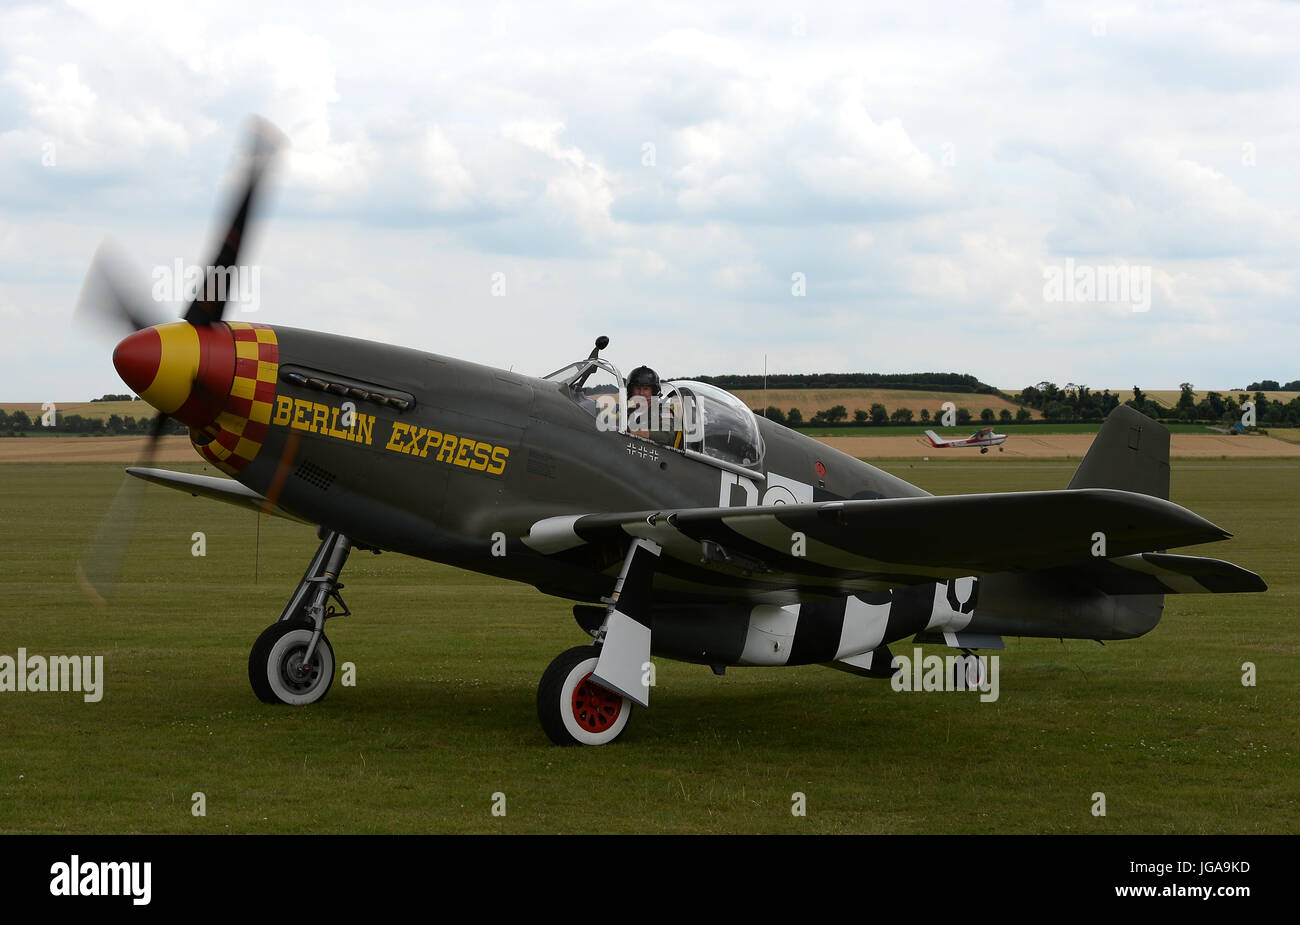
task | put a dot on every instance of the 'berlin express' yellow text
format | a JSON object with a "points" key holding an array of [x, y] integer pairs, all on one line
{"points": [[316, 418], [413, 439], [458, 451]]}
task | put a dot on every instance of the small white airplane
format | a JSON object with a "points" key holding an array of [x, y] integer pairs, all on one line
{"points": [[983, 438]]}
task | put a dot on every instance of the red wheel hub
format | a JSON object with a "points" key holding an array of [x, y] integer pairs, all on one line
{"points": [[595, 708]]}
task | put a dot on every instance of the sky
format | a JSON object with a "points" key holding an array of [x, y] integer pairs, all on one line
{"points": [[818, 187]]}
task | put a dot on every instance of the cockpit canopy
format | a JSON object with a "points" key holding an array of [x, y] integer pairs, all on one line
{"points": [[717, 423], [710, 420]]}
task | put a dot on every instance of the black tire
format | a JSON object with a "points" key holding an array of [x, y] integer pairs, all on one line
{"points": [[968, 672], [595, 717], [271, 661]]}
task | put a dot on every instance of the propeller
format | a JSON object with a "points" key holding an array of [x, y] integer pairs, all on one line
{"points": [[265, 142], [104, 301], [107, 302]]}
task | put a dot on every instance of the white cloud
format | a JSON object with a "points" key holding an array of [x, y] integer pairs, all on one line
{"points": [[921, 170]]}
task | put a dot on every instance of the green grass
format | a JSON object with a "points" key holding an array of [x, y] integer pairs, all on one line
{"points": [[443, 715]]}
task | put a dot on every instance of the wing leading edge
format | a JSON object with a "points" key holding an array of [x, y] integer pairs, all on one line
{"points": [[219, 489]]}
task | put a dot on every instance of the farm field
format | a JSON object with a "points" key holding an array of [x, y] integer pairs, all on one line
{"points": [[1169, 397], [810, 401], [101, 410], [965, 430], [77, 448], [1043, 444]]}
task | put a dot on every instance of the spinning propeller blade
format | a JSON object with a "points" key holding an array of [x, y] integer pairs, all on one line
{"points": [[183, 369], [265, 141]]}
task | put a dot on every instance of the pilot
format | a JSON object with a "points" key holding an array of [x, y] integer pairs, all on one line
{"points": [[643, 384], [643, 409]]}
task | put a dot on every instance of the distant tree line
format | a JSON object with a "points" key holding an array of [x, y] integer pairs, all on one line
{"points": [[915, 382], [1270, 385], [879, 415], [1071, 403], [15, 423], [1077, 403]]}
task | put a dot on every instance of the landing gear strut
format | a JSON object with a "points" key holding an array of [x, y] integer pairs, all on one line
{"points": [[292, 661], [586, 694]]}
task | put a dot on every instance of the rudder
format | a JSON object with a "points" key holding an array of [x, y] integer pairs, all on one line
{"points": [[1130, 453]]}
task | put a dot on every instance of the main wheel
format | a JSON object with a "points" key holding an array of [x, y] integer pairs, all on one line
{"points": [[276, 669], [575, 710]]}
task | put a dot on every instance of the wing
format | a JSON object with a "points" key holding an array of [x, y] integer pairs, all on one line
{"points": [[839, 547], [220, 489]]}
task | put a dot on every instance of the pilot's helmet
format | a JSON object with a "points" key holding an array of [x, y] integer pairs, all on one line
{"points": [[643, 375]]}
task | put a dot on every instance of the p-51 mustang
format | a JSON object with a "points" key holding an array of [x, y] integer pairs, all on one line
{"points": [[718, 537], [982, 438]]}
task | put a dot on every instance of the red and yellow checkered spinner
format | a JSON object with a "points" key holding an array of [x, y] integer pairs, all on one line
{"points": [[217, 379]]}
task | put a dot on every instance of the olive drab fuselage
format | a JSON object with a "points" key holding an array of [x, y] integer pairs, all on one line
{"points": [[482, 454]]}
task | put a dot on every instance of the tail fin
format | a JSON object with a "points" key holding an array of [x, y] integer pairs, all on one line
{"points": [[934, 438], [1130, 452]]}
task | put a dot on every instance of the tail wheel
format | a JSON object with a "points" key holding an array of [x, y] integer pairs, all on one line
{"points": [[969, 672], [574, 709], [277, 670]]}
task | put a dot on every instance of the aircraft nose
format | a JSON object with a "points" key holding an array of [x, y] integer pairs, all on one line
{"points": [[180, 369], [137, 359]]}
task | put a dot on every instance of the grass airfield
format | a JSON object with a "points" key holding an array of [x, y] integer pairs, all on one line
{"points": [[443, 713]]}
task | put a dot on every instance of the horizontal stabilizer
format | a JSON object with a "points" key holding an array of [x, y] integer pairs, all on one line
{"points": [[1161, 573]]}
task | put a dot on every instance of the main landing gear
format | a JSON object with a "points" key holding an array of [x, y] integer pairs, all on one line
{"points": [[292, 662], [585, 696], [574, 709]]}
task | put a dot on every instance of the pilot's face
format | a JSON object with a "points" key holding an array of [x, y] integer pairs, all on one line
{"points": [[644, 391]]}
